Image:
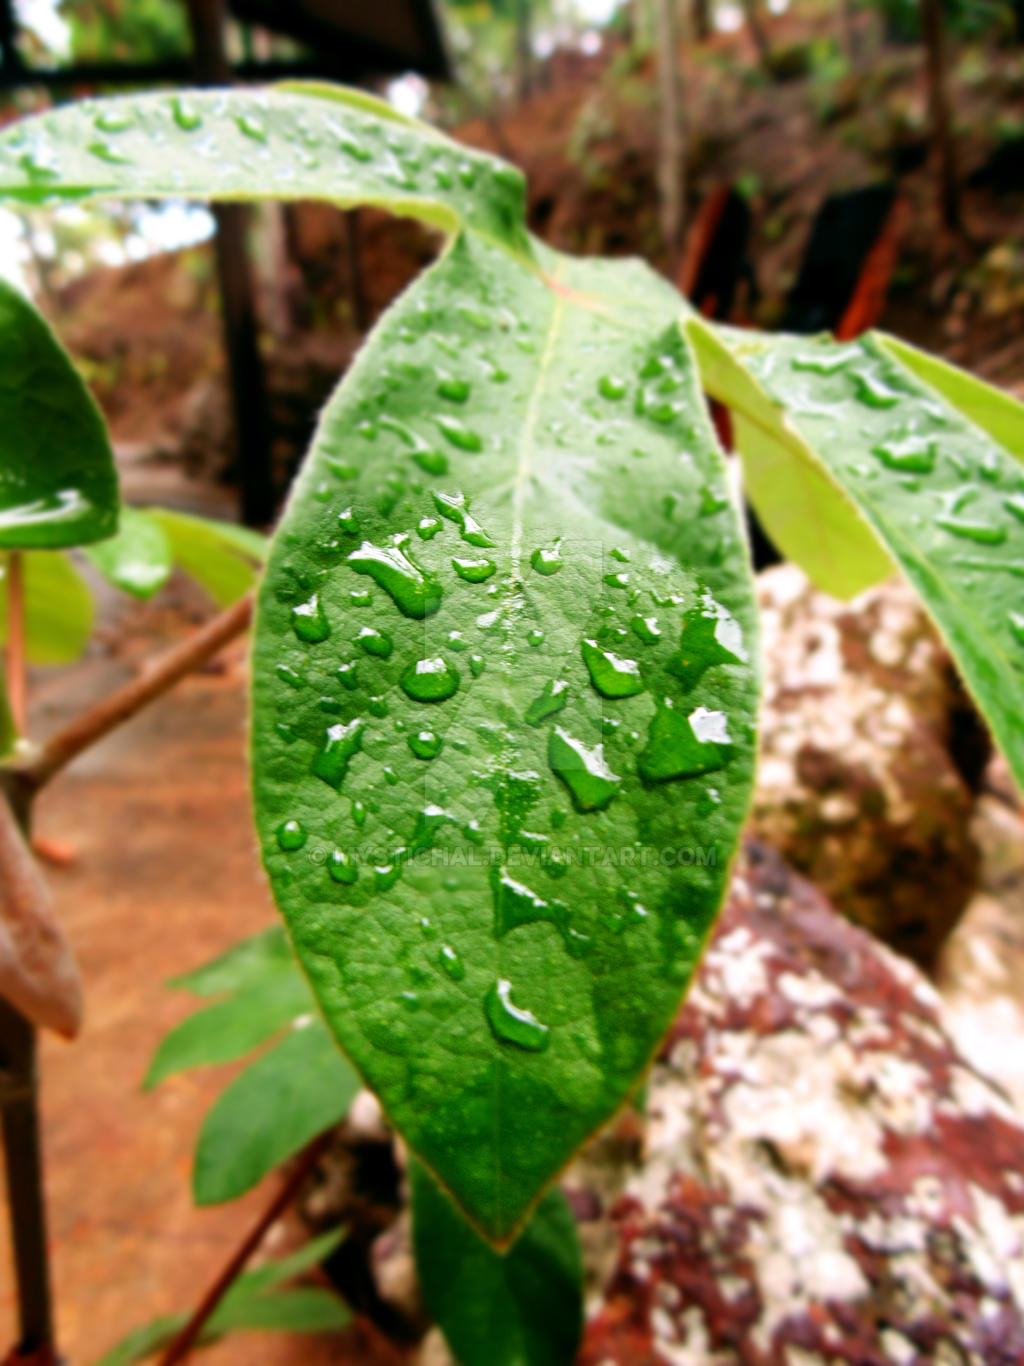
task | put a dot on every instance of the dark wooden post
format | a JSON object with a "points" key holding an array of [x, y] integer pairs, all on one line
{"points": [[238, 300], [943, 146]]}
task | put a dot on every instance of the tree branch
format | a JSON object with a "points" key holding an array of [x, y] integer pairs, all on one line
{"points": [[17, 691], [122, 705]]}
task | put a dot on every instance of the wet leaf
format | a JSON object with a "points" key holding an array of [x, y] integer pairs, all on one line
{"points": [[138, 558], [59, 609]]}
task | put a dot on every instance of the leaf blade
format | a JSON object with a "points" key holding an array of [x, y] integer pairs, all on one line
{"points": [[137, 559]]}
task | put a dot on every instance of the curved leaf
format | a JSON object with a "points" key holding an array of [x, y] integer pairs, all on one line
{"points": [[250, 962], [58, 486], [499, 934], [59, 608], [276, 1106], [943, 498], [222, 557], [138, 558], [523, 1307]]}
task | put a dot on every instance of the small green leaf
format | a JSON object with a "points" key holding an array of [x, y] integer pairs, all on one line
{"points": [[59, 608], [523, 1307], [276, 1106], [231, 1028], [807, 514], [250, 962], [58, 485], [222, 558], [138, 558]]}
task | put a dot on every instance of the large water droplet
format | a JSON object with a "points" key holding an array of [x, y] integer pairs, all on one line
{"points": [[701, 645], [473, 571], [646, 628], [546, 560], [291, 835], [551, 701], [342, 868], [510, 1023], [425, 744], [430, 680], [612, 387], [455, 507], [590, 781], [414, 592], [340, 744], [309, 621], [375, 642], [461, 436], [611, 675], [674, 747]]}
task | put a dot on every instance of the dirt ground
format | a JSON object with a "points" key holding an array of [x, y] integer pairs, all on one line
{"points": [[164, 875]]}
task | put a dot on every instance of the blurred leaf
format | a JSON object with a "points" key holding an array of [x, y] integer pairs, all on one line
{"points": [[248, 962], [293, 1092], [522, 1307], [59, 608], [136, 560], [222, 558], [58, 485]]}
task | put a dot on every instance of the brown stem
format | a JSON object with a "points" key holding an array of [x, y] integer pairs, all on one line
{"points": [[123, 704], [190, 1334], [17, 691]]}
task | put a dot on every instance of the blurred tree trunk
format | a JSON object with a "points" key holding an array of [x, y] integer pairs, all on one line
{"points": [[943, 146], [524, 50], [671, 140], [757, 32], [702, 20]]}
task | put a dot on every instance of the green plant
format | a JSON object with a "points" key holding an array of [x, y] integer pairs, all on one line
{"points": [[504, 671]]}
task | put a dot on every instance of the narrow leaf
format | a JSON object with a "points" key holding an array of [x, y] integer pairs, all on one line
{"points": [[307, 1309], [276, 1106], [804, 510], [138, 558], [221, 557], [58, 486], [250, 962], [59, 608], [523, 1307], [943, 498], [504, 708]]}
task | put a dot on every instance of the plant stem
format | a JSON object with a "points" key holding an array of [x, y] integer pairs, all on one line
{"points": [[190, 1334], [17, 694], [122, 705]]}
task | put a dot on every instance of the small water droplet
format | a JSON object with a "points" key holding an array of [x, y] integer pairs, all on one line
{"points": [[873, 391], [359, 813], [251, 127], [342, 868], [309, 621], [611, 675], [455, 641], [106, 151], [510, 1023], [612, 387], [461, 436], [428, 528], [375, 642], [360, 597], [289, 676], [983, 533], [377, 706], [347, 520], [1016, 620], [185, 114], [620, 580], [340, 744], [827, 362], [347, 675], [455, 507], [909, 454], [426, 744], [680, 746], [291, 835], [414, 592], [547, 560], [1015, 505], [583, 769], [450, 962], [551, 701], [473, 571], [535, 637], [430, 680], [453, 389], [477, 664], [712, 501], [646, 628], [115, 120]]}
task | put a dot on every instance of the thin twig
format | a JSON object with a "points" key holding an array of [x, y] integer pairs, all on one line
{"points": [[17, 691], [120, 706], [191, 1332]]}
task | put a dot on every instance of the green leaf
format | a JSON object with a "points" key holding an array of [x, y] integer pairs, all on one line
{"points": [[58, 486], [247, 1305], [221, 557], [808, 515], [250, 962], [523, 1307], [59, 608], [138, 558], [499, 935], [276, 1106], [993, 410], [943, 498], [231, 1028]]}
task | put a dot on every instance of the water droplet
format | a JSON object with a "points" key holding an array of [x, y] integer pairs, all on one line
{"points": [[647, 629], [39, 164], [712, 501], [984, 533], [473, 571], [355, 149], [375, 642], [347, 675], [359, 813], [450, 962], [511, 1024], [414, 592], [675, 749], [611, 675], [430, 680], [461, 436], [185, 114], [873, 391], [291, 835], [341, 868], [455, 390], [360, 597], [535, 637], [455, 507], [377, 706], [115, 120], [827, 362], [1015, 505], [1016, 620], [340, 744], [426, 744], [703, 645], [289, 676], [551, 701], [252, 127], [620, 580], [590, 781], [428, 822], [910, 454], [455, 641], [477, 664], [309, 622], [347, 520], [428, 528], [612, 387], [546, 560], [106, 151], [707, 801]]}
